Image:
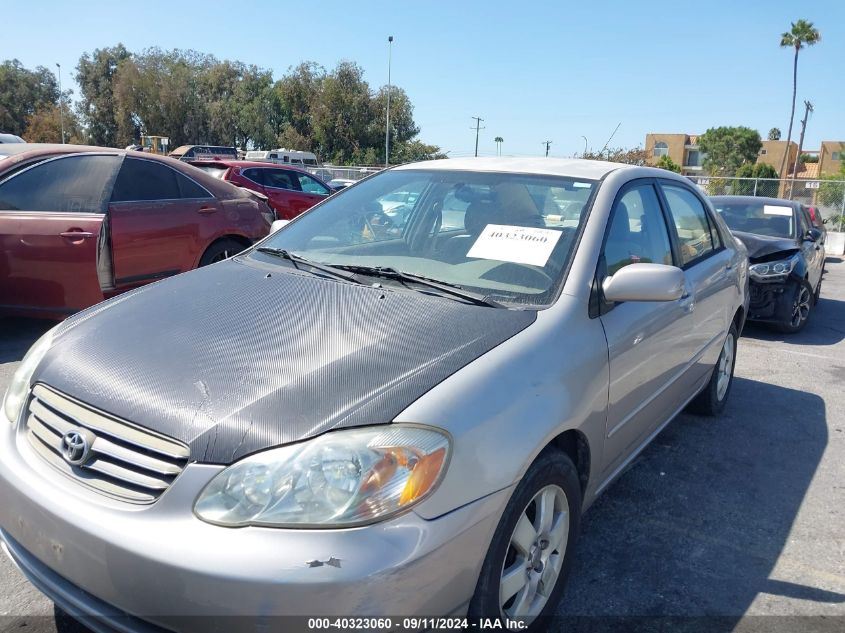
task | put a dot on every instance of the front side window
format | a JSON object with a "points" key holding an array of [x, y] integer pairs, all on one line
{"points": [[72, 184], [691, 223], [637, 232], [772, 220], [309, 185], [507, 237]]}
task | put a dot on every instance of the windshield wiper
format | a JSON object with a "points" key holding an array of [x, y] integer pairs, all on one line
{"points": [[298, 259], [444, 287]]}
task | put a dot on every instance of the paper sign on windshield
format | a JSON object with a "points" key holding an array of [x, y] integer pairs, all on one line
{"points": [[772, 209], [518, 244]]}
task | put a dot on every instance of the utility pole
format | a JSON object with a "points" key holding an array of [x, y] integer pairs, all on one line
{"points": [[61, 103], [546, 143], [585, 146], [808, 107], [387, 119], [478, 127]]}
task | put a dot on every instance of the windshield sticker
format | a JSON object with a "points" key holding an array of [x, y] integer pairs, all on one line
{"points": [[517, 244], [581, 185], [771, 209]]}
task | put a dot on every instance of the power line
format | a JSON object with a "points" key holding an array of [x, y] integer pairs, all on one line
{"points": [[478, 128], [546, 143]]}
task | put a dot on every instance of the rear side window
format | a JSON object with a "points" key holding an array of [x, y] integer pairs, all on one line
{"points": [[691, 222], [280, 179], [144, 180], [72, 184], [637, 232]]}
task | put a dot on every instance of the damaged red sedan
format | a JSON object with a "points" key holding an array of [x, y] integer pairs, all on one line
{"points": [[79, 224]]}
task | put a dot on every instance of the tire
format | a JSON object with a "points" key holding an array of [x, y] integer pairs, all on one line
{"points": [[799, 313], [551, 483], [818, 293], [711, 401], [220, 250]]}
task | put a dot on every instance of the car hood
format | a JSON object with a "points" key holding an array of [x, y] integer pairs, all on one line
{"points": [[762, 246], [244, 355]]}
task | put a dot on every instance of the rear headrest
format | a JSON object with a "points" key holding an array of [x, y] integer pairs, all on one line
{"points": [[477, 216]]}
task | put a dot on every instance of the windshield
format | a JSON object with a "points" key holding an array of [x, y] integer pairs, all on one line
{"points": [[772, 220], [505, 236]]}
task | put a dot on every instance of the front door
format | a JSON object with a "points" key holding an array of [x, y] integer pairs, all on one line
{"points": [[51, 219], [647, 341]]}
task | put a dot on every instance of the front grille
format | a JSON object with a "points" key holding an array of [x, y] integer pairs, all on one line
{"points": [[124, 461]]}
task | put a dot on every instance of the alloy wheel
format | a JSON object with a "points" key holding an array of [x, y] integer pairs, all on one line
{"points": [[224, 254], [801, 306], [535, 555]]}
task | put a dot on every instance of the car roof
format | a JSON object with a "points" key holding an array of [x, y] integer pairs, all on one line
{"points": [[759, 199], [573, 167]]}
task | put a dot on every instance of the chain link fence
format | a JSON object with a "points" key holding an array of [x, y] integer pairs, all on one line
{"points": [[328, 172], [826, 195]]}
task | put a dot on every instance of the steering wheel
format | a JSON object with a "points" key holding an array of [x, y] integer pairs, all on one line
{"points": [[377, 223]]}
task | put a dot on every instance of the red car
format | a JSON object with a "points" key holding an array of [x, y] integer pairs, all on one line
{"points": [[290, 191], [79, 224]]}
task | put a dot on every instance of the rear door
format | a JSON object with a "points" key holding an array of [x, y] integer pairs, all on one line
{"points": [[161, 221], [707, 265], [53, 244], [285, 192]]}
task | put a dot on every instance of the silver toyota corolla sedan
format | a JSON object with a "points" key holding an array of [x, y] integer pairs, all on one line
{"points": [[372, 414]]}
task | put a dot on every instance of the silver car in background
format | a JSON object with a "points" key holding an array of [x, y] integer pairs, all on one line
{"points": [[365, 417]]}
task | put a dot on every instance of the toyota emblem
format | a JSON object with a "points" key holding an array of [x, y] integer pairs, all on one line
{"points": [[75, 447]]}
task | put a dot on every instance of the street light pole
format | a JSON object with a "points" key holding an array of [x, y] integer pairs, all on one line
{"points": [[585, 146], [61, 103], [387, 119]]}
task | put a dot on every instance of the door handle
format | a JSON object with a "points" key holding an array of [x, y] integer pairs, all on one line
{"points": [[729, 267], [76, 235], [206, 210], [687, 302]]}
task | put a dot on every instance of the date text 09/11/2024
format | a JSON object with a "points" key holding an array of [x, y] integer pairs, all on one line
{"points": [[415, 624]]}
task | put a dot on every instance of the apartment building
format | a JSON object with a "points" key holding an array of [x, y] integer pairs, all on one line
{"points": [[683, 149]]}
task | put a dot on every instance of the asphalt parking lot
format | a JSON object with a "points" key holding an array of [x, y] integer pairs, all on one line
{"points": [[718, 523]]}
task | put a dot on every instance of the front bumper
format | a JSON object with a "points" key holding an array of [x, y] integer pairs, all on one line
{"points": [[159, 565], [771, 301]]}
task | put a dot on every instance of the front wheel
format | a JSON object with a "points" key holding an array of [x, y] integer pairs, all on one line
{"points": [[531, 552], [711, 401], [802, 304]]}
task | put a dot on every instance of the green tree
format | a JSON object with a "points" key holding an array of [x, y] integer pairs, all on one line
{"points": [[665, 162], [802, 34], [22, 93], [402, 126], [298, 93], [45, 126], [774, 134], [727, 148], [766, 185], [414, 150], [343, 114], [95, 75]]}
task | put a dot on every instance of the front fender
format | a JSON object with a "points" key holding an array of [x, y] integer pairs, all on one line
{"points": [[506, 406]]}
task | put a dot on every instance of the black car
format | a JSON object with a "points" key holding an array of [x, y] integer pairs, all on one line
{"points": [[786, 256]]}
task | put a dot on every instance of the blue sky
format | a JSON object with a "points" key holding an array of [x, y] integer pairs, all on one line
{"points": [[534, 71]]}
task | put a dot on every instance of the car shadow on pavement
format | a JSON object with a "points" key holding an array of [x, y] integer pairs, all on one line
{"points": [[693, 529], [826, 326], [18, 335]]}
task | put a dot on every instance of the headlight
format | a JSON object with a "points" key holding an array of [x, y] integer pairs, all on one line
{"points": [[339, 479], [19, 387], [772, 271]]}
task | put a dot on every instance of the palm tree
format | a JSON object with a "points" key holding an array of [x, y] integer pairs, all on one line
{"points": [[498, 141], [802, 33]]}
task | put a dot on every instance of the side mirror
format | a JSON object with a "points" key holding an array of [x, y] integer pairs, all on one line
{"points": [[645, 282], [814, 235], [277, 224]]}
